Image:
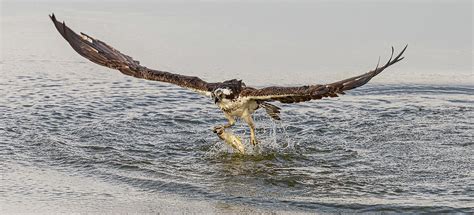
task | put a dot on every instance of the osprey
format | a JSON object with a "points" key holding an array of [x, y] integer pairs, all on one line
{"points": [[233, 97]]}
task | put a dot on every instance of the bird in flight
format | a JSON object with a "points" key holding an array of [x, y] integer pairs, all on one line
{"points": [[233, 97]]}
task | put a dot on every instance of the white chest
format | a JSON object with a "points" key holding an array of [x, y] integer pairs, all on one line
{"points": [[237, 107]]}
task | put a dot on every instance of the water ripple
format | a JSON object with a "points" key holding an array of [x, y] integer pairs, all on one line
{"points": [[383, 148]]}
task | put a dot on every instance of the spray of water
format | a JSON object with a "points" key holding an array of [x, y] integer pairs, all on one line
{"points": [[272, 136]]}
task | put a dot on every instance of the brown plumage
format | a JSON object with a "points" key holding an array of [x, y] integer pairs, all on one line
{"points": [[306, 93], [232, 96], [105, 55]]}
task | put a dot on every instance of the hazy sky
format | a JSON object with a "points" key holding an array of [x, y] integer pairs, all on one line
{"points": [[262, 42]]}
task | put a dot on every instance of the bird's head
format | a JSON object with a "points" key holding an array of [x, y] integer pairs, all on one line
{"points": [[220, 93]]}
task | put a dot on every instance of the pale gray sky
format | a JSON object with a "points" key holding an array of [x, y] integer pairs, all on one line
{"points": [[262, 42]]}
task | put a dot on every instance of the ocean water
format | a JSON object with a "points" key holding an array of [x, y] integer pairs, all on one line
{"points": [[76, 137]]}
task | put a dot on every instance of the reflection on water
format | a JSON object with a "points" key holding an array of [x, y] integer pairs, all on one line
{"points": [[78, 137]]}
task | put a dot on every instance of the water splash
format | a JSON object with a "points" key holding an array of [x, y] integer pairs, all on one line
{"points": [[272, 136]]}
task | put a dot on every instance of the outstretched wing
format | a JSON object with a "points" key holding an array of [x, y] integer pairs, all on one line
{"points": [[105, 55], [306, 93]]}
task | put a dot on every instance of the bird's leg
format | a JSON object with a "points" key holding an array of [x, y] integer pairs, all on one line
{"points": [[248, 119], [229, 124]]}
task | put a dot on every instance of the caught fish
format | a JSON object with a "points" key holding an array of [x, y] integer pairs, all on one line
{"points": [[231, 139]]}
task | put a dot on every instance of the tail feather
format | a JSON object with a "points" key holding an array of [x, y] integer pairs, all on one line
{"points": [[272, 110]]}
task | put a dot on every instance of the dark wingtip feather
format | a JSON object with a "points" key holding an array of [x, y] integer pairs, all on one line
{"points": [[53, 18], [391, 57], [399, 56], [403, 51], [378, 64], [398, 59]]}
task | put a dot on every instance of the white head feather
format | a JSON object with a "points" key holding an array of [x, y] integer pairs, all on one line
{"points": [[225, 91]]}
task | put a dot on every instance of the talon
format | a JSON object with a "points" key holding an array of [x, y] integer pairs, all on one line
{"points": [[254, 141], [218, 129]]}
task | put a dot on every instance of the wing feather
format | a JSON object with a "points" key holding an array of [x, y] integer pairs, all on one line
{"points": [[105, 55], [311, 92]]}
